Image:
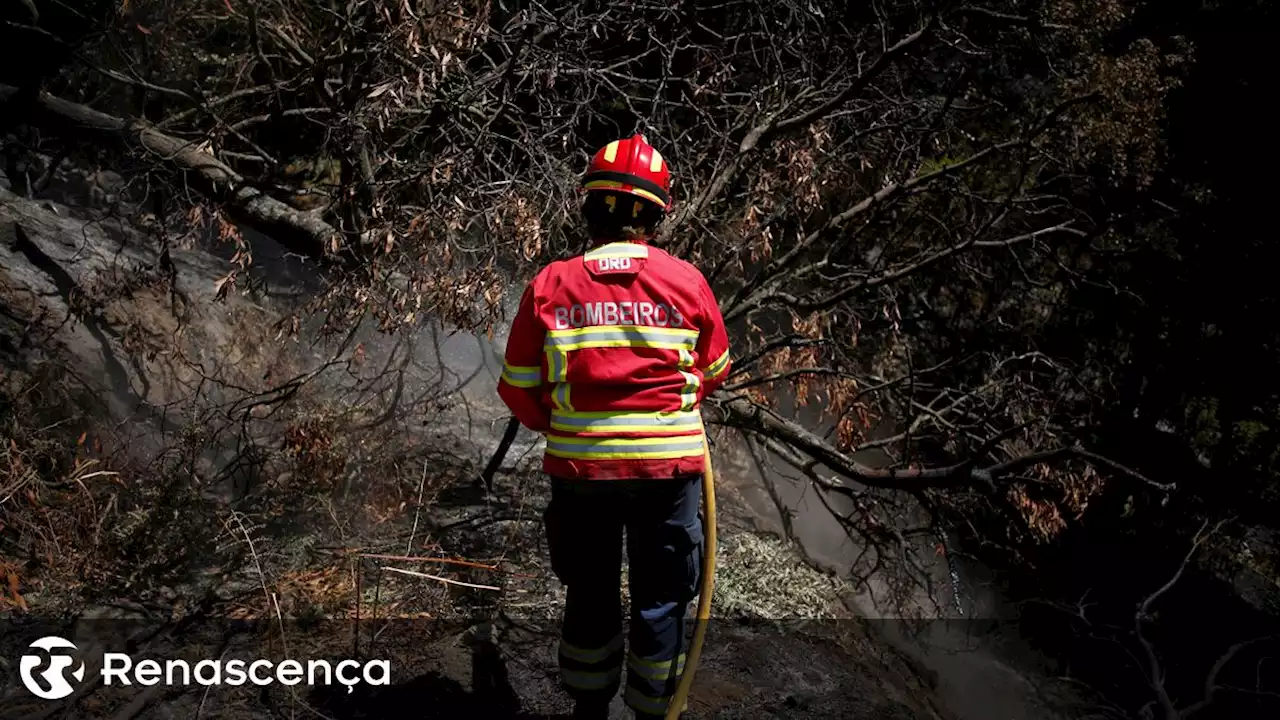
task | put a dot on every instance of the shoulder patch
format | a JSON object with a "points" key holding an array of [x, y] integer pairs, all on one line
{"points": [[615, 265], [616, 259]]}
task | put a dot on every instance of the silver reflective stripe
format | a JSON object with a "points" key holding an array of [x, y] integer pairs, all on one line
{"points": [[557, 365], [522, 376], [662, 420], [717, 367], [689, 394], [560, 397], [628, 446], [623, 337]]}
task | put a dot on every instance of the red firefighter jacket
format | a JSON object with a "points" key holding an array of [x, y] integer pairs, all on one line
{"points": [[610, 356]]}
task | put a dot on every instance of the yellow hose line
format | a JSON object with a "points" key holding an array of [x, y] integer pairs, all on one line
{"points": [[704, 594]]}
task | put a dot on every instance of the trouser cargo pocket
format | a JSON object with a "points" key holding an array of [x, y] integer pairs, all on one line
{"points": [[689, 544], [559, 545]]}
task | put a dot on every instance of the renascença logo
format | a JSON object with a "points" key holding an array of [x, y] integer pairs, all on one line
{"points": [[54, 676], [119, 668]]}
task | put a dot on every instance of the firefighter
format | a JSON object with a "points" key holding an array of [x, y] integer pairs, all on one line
{"points": [[610, 356]]}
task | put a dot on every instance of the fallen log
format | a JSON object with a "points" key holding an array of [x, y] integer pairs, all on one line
{"points": [[300, 232]]}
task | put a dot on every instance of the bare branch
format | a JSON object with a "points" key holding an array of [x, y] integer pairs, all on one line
{"points": [[1155, 672], [742, 413], [299, 231]]}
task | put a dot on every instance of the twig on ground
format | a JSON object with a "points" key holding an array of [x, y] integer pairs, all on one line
{"points": [[447, 581], [417, 509], [447, 561]]}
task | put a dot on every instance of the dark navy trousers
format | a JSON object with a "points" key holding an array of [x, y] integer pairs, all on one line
{"points": [[586, 522]]}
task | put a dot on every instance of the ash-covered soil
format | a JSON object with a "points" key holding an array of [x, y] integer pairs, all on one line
{"points": [[495, 659], [219, 540]]}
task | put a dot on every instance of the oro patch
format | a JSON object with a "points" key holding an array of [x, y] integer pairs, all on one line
{"points": [[615, 265]]}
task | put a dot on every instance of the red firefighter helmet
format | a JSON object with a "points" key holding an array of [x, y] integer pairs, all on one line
{"points": [[631, 166]]}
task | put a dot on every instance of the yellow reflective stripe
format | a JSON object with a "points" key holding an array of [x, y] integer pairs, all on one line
{"points": [[654, 669], [599, 422], [585, 680], [557, 365], [612, 185], [686, 358], [689, 394], [655, 161], [618, 250], [600, 336], [591, 655], [717, 367], [522, 376], [653, 448], [640, 702], [611, 151], [560, 397]]}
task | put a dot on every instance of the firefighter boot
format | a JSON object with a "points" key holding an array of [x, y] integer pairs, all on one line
{"points": [[590, 710]]}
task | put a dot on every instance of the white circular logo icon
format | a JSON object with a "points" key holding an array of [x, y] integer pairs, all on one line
{"points": [[50, 683]]}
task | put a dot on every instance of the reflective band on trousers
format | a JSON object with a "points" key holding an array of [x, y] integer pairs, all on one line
{"points": [[640, 702], [586, 680], [591, 655], [521, 376], [653, 669], [614, 422], [606, 336], [660, 448]]}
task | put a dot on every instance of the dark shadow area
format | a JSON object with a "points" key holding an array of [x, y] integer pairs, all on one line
{"points": [[465, 495], [434, 695]]}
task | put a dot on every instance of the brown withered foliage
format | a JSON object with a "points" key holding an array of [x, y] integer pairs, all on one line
{"points": [[894, 200], [311, 444]]}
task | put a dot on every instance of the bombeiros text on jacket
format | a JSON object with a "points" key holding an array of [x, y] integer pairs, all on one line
{"points": [[640, 312]]}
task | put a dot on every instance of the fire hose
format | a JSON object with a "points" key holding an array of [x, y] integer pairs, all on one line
{"points": [[707, 587]]}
